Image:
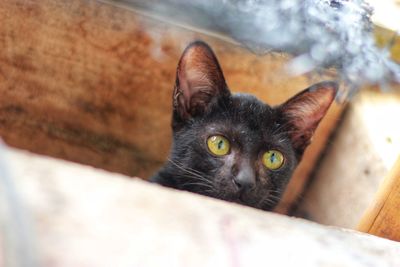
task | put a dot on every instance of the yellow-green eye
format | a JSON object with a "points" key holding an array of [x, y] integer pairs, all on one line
{"points": [[273, 159], [218, 145]]}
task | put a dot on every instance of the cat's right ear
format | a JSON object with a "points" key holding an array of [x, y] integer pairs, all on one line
{"points": [[304, 111], [199, 82]]}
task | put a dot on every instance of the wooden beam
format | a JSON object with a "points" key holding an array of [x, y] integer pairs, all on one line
{"points": [[382, 218]]}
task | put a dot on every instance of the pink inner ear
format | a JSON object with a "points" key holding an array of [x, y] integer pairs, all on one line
{"points": [[199, 70], [192, 81], [305, 110], [199, 79], [309, 108]]}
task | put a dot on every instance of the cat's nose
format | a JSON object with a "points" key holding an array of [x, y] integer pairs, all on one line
{"points": [[245, 179]]}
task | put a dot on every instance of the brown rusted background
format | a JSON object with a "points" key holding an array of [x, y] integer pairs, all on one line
{"points": [[92, 83]]}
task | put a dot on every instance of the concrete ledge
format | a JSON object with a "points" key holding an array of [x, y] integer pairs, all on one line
{"points": [[86, 217]]}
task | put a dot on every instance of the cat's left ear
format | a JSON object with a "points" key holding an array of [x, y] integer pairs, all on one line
{"points": [[199, 82], [304, 111]]}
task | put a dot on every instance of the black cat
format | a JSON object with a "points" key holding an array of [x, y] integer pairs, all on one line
{"points": [[233, 146]]}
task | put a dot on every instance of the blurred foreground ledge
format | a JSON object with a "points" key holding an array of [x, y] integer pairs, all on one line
{"points": [[81, 216]]}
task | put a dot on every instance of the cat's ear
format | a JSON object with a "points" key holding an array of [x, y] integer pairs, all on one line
{"points": [[199, 81], [305, 110]]}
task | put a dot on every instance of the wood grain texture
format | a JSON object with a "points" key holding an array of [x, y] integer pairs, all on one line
{"points": [[92, 83], [382, 217]]}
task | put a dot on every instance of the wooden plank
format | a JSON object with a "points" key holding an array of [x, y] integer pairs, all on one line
{"points": [[85, 217], [382, 218], [90, 82]]}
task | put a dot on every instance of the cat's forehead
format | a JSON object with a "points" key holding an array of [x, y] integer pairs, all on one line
{"points": [[244, 114], [249, 109], [250, 103]]}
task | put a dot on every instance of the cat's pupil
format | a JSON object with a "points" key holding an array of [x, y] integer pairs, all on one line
{"points": [[273, 158], [220, 144]]}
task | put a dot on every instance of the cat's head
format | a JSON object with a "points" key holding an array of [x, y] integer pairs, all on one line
{"points": [[233, 146]]}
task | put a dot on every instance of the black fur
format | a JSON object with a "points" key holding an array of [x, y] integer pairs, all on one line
{"points": [[251, 127]]}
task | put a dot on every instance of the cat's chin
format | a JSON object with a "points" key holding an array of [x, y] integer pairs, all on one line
{"points": [[245, 200]]}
